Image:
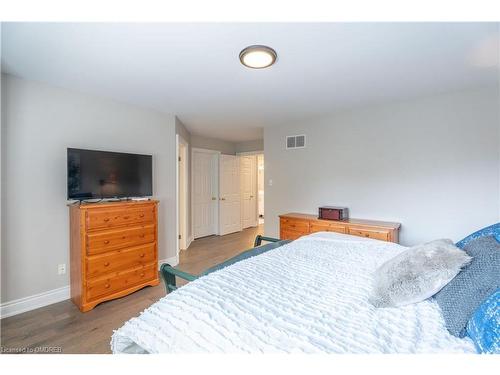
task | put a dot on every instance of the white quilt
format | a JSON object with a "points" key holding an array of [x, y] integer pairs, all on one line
{"points": [[308, 296]]}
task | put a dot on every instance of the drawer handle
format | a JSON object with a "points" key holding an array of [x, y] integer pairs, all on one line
{"points": [[106, 220], [142, 274], [142, 235], [141, 215], [107, 286], [142, 255], [126, 217], [367, 235], [123, 237], [106, 242], [106, 264]]}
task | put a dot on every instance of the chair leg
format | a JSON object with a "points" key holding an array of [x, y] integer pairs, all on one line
{"points": [[168, 278], [258, 240]]}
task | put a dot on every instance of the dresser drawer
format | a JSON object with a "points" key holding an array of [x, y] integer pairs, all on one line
{"points": [[370, 233], [98, 265], [106, 218], [296, 225], [327, 227], [120, 281], [101, 242]]}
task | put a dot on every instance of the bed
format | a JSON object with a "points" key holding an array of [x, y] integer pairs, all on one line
{"points": [[306, 296]]}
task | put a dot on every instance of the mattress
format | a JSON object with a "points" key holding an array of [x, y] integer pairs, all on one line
{"points": [[309, 296]]}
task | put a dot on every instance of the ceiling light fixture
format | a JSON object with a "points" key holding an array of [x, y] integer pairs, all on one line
{"points": [[258, 57]]}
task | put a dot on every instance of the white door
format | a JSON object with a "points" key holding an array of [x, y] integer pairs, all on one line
{"points": [[260, 186], [248, 171], [229, 192], [204, 193]]}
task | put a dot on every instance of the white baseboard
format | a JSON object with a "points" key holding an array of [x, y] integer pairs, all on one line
{"points": [[190, 239], [36, 301], [173, 261]]}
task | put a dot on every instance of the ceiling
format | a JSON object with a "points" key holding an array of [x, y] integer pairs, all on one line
{"points": [[193, 70]]}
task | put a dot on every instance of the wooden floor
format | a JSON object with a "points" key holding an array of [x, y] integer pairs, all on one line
{"points": [[63, 326]]}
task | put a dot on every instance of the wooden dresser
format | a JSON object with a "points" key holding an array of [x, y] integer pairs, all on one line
{"points": [[114, 250], [295, 225]]}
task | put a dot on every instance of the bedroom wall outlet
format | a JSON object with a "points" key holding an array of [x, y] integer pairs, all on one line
{"points": [[61, 269]]}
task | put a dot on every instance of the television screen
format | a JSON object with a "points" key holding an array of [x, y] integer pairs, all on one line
{"points": [[103, 174]]}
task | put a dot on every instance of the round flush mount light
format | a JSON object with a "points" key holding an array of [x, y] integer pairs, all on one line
{"points": [[258, 57]]}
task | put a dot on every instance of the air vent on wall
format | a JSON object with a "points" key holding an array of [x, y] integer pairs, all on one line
{"points": [[295, 141]]}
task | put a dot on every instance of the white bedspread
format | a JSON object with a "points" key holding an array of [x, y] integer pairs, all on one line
{"points": [[308, 296]]}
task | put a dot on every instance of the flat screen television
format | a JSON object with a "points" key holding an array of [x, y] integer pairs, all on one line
{"points": [[102, 174]]}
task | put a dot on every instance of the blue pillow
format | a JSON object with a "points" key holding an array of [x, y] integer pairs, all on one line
{"points": [[492, 230], [460, 298], [484, 326]]}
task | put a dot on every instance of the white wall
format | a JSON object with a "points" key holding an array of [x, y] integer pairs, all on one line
{"points": [[248, 146], [224, 147], [181, 129], [229, 148], [431, 164], [39, 123]]}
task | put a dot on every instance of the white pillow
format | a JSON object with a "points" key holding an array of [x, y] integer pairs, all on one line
{"points": [[417, 274]]}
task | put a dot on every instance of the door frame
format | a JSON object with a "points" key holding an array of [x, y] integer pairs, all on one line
{"points": [[217, 156], [178, 142]]}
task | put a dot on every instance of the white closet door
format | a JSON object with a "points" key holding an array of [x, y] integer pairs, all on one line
{"points": [[229, 192], [204, 193], [248, 170], [260, 185]]}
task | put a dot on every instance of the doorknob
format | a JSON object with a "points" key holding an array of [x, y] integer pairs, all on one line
{"points": [[223, 199]]}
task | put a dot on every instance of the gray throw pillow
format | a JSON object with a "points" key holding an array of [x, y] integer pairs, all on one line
{"points": [[417, 273], [478, 280]]}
